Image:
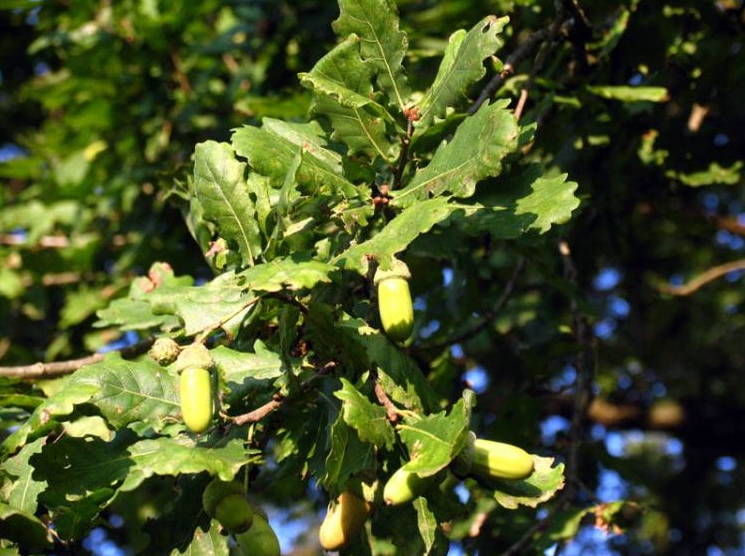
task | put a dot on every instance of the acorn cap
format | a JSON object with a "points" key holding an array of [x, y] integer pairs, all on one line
{"points": [[398, 270], [194, 356]]}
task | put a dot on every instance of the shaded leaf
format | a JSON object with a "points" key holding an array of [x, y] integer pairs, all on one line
{"points": [[398, 374], [23, 528], [347, 455], [183, 454], [626, 93]]}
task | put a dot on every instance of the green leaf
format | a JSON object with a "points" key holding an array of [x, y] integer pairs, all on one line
{"points": [[288, 273], [462, 65], [383, 43], [712, 175], [615, 32], [183, 454], [134, 314], [541, 486], [130, 391], [398, 374], [222, 303], [368, 419], [434, 441], [236, 365], [206, 543], [23, 492], [474, 153], [44, 417], [526, 201], [347, 456], [309, 135], [433, 539], [396, 236], [343, 83], [625, 93], [23, 528], [272, 155], [220, 186]]}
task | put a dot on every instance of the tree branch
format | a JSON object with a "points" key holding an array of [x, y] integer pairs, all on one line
{"points": [[584, 364], [490, 315], [568, 15], [55, 369], [703, 279], [278, 400]]}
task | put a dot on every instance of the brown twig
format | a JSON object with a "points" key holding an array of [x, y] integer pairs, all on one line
{"points": [[260, 412], [568, 15], [278, 400], [701, 280], [520, 53], [49, 242], [489, 316], [385, 401], [584, 364], [54, 369], [403, 158]]}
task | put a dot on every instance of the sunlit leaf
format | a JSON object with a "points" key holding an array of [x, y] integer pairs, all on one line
{"points": [[220, 185], [383, 43], [462, 65], [475, 152]]}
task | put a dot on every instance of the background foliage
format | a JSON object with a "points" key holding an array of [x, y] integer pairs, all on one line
{"points": [[591, 341]]}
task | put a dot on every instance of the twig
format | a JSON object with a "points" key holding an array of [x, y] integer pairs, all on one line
{"points": [[568, 13], [585, 367], [403, 158], [202, 337], [278, 399], [260, 412], [540, 58], [584, 364], [51, 242], [489, 316], [60, 368], [703, 279], [520, 53], [390, 409]]}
